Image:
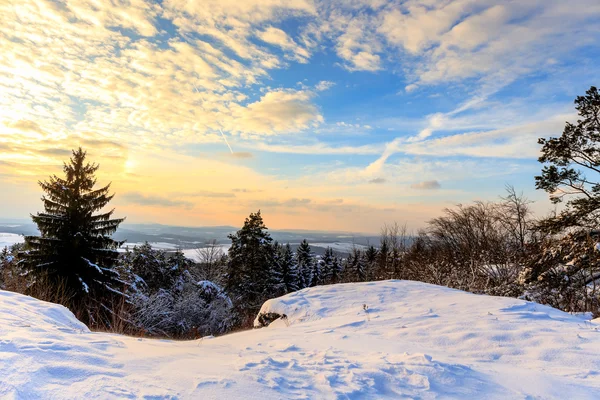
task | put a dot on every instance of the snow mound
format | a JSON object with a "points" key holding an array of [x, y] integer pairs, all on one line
{"points": [[17, 310], [392, 339]]}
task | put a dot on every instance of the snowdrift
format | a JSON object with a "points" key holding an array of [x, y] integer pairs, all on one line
{"points": [[392, 339]]}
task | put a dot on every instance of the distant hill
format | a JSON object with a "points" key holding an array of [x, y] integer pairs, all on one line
{"points": [[193, 237]]}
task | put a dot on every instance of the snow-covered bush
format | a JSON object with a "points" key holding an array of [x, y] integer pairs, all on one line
{"points": [[167, 299], [12, 275], [566, 273]]}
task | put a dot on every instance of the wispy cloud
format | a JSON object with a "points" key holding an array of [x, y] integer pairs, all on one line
{"points": [[426, 185], [152, 200]]}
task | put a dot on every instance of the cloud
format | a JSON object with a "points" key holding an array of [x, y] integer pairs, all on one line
{"points": [[324, 85], [316, 148], [277, 112], [240, 154], [152, 200], [209, 194], [426, 185], [377, 180], [243, 190], [27, 126], [277, 37]]}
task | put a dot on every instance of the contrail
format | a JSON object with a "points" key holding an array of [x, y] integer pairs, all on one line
{"points": [[224, 138]]}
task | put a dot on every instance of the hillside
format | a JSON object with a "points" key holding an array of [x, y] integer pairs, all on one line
{"points": [[367, 340]]}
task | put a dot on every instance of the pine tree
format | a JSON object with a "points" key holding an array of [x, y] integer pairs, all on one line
{"points": [[383, 259], [349, 268], [370, 261], [74, 245], [327, 266], [360, 265], [572, 168], [317, 278], [289, 269], [305, 259], [251, 255], [276, 273], [336, 270]]}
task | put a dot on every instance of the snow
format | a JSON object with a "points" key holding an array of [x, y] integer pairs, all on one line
{"points": [[155, 245], [9, 239], [413, 341], [192, 254], [341, 247]]}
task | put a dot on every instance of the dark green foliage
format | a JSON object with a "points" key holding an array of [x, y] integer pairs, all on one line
{"points": [[326, 266], [251, 255], [306, 261], [153, 269], [75, 246], [336, 270], [289, 269], [565, 273], [572, 168], [370, 261]]}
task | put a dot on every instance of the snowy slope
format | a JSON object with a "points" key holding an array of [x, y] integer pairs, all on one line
{"points": [[414, 341]]}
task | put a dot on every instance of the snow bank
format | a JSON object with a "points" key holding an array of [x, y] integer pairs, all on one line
{"points": [[387, 339]]}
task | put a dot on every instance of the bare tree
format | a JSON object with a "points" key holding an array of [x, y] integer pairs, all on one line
{"points": [[210, 261]]}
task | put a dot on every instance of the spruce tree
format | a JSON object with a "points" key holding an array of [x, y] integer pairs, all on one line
{"points": [[360, 265], [327, 266], [74, 246], [289, 269], [248, 281], [383, 259], [305, 259], [276, 273], [572, 168], [370, 260], [336, 270]]}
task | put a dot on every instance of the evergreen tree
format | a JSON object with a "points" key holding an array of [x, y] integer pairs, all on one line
{"points": [[348, 268], [305, 259], [74, 245], [317, 278], [276, 283], [383, 259], [370, 261], [248, 281], [327, 266], [572, 168], [289, 269], [336, 270], [360, 265]]}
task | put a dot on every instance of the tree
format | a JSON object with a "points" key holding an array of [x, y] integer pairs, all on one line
{"points": [[336, 270], [327, 266], [306, 259], [289, 269], [74, 245], [210, 261], [370, 262], [514, 214], [572, 168], [250, 264]]}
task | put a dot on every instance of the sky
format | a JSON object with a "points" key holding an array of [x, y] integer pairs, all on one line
{"points": [[325, 115]]}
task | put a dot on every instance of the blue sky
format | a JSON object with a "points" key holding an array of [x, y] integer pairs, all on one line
{"points": [[341, 115]]}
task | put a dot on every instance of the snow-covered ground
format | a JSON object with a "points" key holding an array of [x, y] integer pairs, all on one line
{"points": [[8, 239], [412, 340]]}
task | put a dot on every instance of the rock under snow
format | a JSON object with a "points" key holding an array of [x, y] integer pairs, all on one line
{"points": [[387, 339]]}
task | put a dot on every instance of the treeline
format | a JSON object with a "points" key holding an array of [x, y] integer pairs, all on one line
{"points": [[496, 248]]}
